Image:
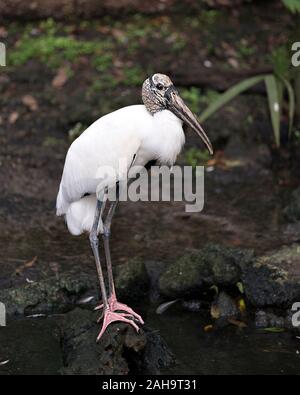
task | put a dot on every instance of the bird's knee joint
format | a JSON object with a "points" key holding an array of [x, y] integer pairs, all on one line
{"points": [[106, 231], [93, 239]]}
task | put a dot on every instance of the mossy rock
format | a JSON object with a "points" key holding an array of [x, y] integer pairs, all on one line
{"points": [[274, 279], [131, 280], [198, 270], [121, 349], [55, 294]]}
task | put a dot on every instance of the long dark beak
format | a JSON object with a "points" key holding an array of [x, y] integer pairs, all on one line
{"points": [[180, 109]]}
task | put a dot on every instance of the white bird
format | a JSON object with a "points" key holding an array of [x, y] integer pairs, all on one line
{"points": [[136, 134]]}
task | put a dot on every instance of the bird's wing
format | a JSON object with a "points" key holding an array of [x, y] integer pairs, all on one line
{"points": [[105, 151]]}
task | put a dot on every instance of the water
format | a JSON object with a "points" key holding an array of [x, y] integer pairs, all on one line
{"points": [[229, 350]]}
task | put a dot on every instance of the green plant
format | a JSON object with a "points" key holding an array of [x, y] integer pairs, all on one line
{"points": [[292, 5], [297, 135], [197, 98], [193, 98], [53, 48], [195, 156], [275, 86], [133, 76], [76, 131]]}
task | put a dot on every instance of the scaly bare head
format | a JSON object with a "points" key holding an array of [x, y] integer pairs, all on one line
{"points": [[159, 93]]}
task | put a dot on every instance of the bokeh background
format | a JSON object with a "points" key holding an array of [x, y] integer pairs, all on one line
{"points": [[68, 63]]}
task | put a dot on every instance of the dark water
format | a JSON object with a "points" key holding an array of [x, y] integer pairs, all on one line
{"points": [[32, 346], [227, 351]]}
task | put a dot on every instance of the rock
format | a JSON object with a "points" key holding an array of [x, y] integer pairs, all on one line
{"points": [[198, 270], [274, 279], [66, 344], [154, 271], [60, 294], [192, 305], [131, 280], [292, 210], [261, 319], [265, 319], [120, 351], [55, 294], [225, 306], [155, 357]]}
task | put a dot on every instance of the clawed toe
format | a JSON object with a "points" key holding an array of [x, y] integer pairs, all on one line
{"points": [[117, 306], [114, 305], [110, 316]]}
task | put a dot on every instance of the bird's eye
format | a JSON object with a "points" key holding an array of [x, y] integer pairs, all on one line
{"points": [[159, 86]]}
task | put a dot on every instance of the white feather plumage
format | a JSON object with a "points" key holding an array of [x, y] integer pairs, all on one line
{"points": [[121, 134]]}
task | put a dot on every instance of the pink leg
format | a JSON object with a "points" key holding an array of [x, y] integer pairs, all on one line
{"points": [[110, 316], [114, 305], [115, 311]]}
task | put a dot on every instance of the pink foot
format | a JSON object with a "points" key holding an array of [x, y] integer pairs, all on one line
{"points": [[110, 316], [114, 305]]}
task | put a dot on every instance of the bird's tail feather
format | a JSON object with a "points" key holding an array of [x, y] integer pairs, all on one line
{"points": [[62, 203], [80, 215]]}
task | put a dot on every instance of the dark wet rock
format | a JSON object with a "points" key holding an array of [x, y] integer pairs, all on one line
{"points": [[131, 280], [264, 319], [120, 351], [274, 279], [59, 294], [276, 319], [261, 319], [155, 356], [56, 294], [292, 322], [292, 210], [66, 344], [198, 270], [154, 271], [225, 306], [192, 305]]}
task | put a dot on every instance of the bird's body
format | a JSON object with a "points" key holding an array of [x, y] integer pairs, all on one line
{"points": [[123, 134], [104, 154]]}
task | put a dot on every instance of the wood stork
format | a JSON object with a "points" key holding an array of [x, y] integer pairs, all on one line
{"points": [[138, 133]]}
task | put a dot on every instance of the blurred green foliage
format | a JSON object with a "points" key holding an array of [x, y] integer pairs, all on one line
{"points": [[134, 75], [281, 81], [196, 157], [111, 46], [197, 99], [292, 5], [76, 131], [54, 49]]}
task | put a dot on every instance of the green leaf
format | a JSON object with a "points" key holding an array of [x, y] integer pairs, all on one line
{"points": [[291, 96], [274, 330], [292, 5], [230, 94], [274, 105], [240, 287]]}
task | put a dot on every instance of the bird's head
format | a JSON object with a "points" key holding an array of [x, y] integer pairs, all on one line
{"points": [[159, 93]]}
